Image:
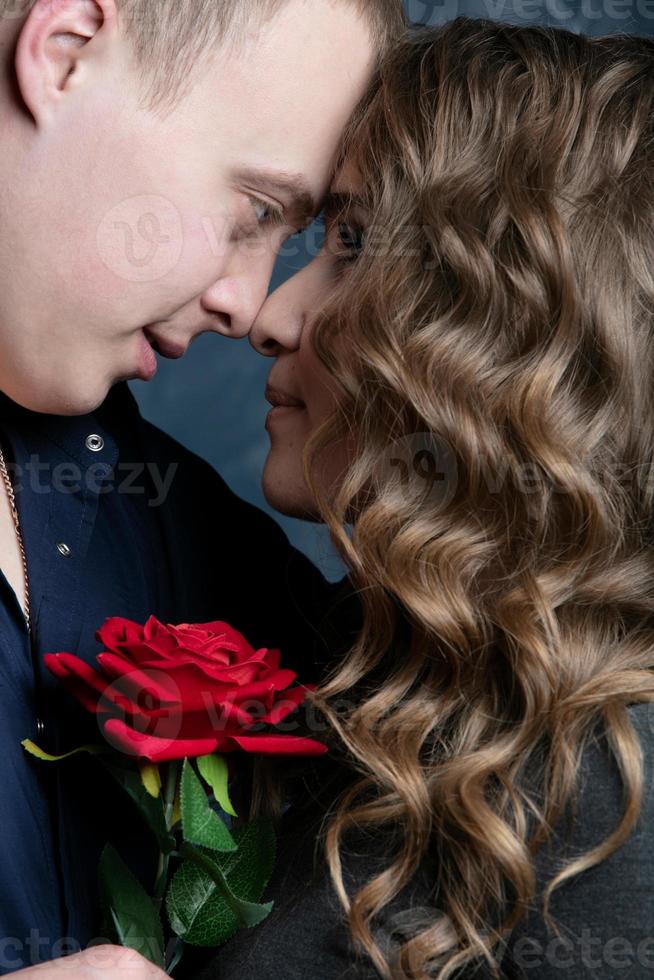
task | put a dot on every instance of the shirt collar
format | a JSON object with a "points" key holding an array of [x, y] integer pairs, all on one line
{"points": [[79, 437]]}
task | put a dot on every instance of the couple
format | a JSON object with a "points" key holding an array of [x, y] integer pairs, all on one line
{"points": [[462, 391]]}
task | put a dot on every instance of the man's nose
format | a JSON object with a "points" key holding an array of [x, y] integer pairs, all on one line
{"points": [[234, 304], [234, 300]]}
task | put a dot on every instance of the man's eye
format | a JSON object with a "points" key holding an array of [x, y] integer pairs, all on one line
{"points": [[266, 213]]}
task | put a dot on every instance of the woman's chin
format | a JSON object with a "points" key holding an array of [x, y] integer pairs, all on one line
{"points": [[287, 494]]}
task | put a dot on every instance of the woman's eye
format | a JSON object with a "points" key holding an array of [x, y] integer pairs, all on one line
{"points": [[351, 241], [344, 240]]}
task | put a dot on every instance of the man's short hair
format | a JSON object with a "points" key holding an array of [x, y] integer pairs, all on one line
{"points": [[169, 36]]}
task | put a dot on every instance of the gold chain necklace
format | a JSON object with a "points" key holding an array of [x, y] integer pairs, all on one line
{"points": [[19, 534]]}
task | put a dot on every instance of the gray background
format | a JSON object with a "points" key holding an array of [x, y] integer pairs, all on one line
{"points": [[212, 401]]}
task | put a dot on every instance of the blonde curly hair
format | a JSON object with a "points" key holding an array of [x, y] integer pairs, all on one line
{"points": [[500, 323]]}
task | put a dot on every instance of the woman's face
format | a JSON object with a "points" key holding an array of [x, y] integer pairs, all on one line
{"points": [[298, 386]]}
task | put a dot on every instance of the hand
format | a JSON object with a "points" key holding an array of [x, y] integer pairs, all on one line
{"points": [[96, 963]]}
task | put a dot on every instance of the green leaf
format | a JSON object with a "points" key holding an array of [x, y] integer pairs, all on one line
{"points": [[198, 910], [205, 912], [152, 810], [201, 824], [34, 750], [214, 771], [151, 778], [247, 913], [248, 870], [132, 911]]}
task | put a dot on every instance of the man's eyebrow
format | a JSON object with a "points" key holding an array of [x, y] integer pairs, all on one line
{"points": [[301, 206]]}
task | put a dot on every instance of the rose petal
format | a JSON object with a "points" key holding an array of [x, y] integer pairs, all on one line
{"points": [[272, 658], [279, 744], [223, 719], [155, 749], [212, 652], [157, 633], [136, 682], [156, 653], [81, 680], [219, 630], [289, 702], [199, 639], [118, 632], [238, 674], [196, 691], [261, 688], [97, 694], [178, 658], [212, 666], [237, 716]]}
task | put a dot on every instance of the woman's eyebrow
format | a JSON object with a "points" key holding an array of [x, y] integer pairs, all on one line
{"points": [[337, 201], [299, 202]]}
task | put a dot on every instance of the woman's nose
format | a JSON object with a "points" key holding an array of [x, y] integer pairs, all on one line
{"points": [[280, 322]]}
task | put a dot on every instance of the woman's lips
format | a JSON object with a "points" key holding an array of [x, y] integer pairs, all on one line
{"points": [[281, 399], [283, 404]]}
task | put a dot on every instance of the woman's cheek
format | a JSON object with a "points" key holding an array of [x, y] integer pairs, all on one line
{"points": [[315, 382]]}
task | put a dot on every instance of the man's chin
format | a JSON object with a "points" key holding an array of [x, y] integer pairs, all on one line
{"points": [[73, 402], [37, 398], [72, 407]]}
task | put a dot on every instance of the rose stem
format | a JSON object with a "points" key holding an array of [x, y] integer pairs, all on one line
{"points": [[169, 805]]}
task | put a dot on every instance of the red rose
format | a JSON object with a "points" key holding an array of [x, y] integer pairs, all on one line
{"points": [[170, 692]]}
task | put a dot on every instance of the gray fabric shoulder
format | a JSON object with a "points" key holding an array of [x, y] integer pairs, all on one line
{"points": [[605, 914]]}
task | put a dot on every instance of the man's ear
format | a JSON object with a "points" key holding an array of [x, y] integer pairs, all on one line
{"points": [[56, 43]]}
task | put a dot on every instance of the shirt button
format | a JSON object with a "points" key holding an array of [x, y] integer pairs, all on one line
{"points": [[40, 728], [63, 549], [95, 443]]}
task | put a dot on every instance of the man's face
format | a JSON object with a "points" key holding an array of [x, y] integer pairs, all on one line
{"points": [[123, 229]]}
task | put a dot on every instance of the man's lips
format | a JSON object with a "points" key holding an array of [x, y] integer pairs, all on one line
{"points": [[281, 399], [165, 346]]}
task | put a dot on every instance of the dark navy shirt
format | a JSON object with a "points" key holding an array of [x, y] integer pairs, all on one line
{"points": [[118, 520]]}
